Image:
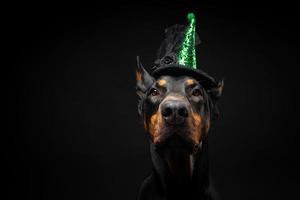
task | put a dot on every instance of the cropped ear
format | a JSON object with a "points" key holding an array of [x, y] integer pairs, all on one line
{"points": [[216, 92], [143, 82], [143, 79]]}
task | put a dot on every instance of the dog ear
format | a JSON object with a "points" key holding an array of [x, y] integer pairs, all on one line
{"points": [[143, 79], [143, 82], [215, 93]]}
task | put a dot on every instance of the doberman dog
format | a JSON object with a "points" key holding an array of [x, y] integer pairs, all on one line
{"points": [[177, 111]]}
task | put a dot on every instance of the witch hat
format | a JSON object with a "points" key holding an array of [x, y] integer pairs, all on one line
{"points": [[177, 54]]}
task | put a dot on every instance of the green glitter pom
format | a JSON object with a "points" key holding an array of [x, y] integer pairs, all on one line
{"points": [[187, 51]]}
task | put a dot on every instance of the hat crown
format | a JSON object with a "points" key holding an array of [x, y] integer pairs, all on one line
{"points": [[178, 47], [187, 52]]}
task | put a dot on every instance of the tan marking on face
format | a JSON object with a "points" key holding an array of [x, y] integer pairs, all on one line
{"points": [[189, 82], [161, 82], [153, 124], [196, 127], [138, 76]]}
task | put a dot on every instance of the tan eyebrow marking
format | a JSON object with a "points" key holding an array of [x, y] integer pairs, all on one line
{"points": [[161, 82], [190, 82]]}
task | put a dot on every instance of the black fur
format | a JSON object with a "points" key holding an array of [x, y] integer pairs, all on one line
{"points": [[160, 184]]}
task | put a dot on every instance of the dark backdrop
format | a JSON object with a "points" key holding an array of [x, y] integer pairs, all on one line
{"points": [[75, 133]]}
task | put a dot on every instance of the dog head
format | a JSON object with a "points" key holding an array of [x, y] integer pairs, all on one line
{"points": [[176, 110]]}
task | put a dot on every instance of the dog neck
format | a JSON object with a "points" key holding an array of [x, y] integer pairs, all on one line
{"points": [[179, 164], [181, 171]]}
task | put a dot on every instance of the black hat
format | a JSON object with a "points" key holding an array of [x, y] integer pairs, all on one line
{"points": [[177, 54]]}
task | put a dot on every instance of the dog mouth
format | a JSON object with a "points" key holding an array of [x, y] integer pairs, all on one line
{"points": [[175, 138]]}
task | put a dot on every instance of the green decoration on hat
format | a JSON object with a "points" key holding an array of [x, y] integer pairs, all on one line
{"points": [[187, 52]]}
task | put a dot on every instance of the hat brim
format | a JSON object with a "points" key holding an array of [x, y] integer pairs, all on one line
{"points": [[202, 77]]}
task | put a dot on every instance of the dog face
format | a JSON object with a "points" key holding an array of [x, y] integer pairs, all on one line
{"points": [[176, 111]]}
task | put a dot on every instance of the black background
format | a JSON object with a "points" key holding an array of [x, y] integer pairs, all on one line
{"points": [[75, 133]]}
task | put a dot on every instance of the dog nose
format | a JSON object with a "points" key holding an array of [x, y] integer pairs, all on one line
{"points": [[174, 112]]}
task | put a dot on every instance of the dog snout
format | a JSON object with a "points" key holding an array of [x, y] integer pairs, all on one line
{"points": [[174, 112]]}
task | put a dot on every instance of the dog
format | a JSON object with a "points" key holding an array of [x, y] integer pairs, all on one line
{"points": [[177, 111]]}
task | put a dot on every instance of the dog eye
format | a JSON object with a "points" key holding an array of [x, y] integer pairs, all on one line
{"points": [[196, 92], [154, 92]]}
